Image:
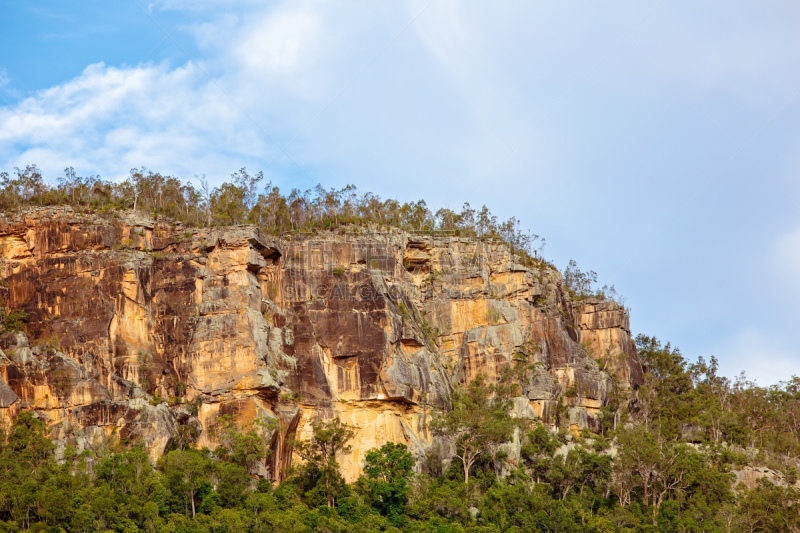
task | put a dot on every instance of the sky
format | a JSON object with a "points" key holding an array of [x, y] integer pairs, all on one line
{"points": [[654, 142]]}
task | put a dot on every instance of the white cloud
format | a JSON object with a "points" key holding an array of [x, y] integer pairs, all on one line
{"points": [[274, 70], [280, 41], [111, 119]]}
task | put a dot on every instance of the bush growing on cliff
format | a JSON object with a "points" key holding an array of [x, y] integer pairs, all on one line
{"points": [[577, 282], [12, 321], [580, 284]]}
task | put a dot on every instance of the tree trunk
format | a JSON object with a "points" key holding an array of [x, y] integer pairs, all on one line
{"points": [[645, 493]]}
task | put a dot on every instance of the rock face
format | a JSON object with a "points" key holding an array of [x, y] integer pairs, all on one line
{"points": [[750, 475], [137, 328]]}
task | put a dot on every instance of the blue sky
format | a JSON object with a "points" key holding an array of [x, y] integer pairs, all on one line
{"points": [[653, 142]]}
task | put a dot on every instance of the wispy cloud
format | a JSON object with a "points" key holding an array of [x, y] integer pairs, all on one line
{"points": [[5, 85], [173, 119], [43, 12]]}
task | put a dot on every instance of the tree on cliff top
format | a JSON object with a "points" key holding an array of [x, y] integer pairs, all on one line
{"points": [[242, 200]]}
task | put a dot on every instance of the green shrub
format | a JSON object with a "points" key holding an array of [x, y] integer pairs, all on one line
{"points": [[12, 321]]}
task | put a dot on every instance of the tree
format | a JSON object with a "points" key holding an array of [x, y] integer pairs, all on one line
{"points": [[248, 184], [12, 320], [28, 441], [232, 481], [205, 196], [477, 420], [595, 470], [577, 282], [716, 393], [70, 182], [185, 473], [623, 480], [244, 448], [639, 456], [228, 203], [238, 200], [328, 440], [667, 394], [564, 473], [537, 451], [387, 471]]}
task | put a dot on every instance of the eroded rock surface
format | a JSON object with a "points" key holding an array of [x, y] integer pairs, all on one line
{"points": [[137, 327]]}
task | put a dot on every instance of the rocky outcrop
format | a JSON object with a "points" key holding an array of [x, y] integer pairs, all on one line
{"points": [[749, 476], [137, 328]]}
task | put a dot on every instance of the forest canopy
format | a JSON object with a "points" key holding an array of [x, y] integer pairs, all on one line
{"points": [[669, 465]]}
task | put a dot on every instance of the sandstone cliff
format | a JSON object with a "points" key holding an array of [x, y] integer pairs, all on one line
{"points": [[138, 328]]}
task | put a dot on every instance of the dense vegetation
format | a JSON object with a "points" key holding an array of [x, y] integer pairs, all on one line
{"points": [[248, 199], [666, 467]]}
